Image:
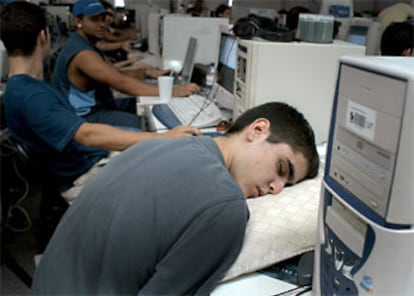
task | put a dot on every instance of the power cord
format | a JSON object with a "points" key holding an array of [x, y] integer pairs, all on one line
{"points": [[16, 211], [296, 291], [204, 106]]}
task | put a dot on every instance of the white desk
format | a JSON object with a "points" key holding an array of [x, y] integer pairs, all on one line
{"points": [[256, 284]]}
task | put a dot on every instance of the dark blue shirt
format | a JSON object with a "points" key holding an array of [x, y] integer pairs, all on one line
{"points": [[40, 117]]}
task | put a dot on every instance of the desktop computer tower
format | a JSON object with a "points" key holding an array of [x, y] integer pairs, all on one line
{"points": [[298, 73], [365, 237]]}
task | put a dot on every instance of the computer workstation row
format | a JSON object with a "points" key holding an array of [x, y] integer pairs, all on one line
{"points": [[252, 72], [365, 210]]}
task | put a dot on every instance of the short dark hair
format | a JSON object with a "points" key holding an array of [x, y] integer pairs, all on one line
{"points": [[396, 38], [221, 9], [20, 24], [288, 126]]}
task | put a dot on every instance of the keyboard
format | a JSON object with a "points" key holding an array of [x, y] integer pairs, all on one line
{"points": [[183, 111]]}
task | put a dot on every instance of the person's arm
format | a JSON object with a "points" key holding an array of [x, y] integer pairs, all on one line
{"points": [[108, 46], [89, 63], [143, 71], [130, 62], [112, 138], [130, 33], [202, 254], [111, 37], [154, 73]]}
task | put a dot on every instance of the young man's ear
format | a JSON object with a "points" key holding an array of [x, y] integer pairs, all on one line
{"points": [[258, 128], [407, 52], [43, 35]]}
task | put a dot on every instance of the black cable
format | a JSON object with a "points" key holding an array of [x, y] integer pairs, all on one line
{"points": [[299, 289], [309, 288], [14, 209]]}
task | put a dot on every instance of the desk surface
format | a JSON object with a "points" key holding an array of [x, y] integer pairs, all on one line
{"points": [[255, 284]]}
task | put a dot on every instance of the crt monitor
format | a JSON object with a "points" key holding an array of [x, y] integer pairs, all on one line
{"points": [[177, 30], [226, 65], [362, 31], [357, 34]]}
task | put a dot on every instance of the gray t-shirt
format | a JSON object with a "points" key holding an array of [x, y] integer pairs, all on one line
{"points": [[164, 217]]}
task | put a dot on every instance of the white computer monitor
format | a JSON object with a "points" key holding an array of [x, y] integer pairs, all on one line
{"points": [[142, 12], [337, 8], [223, 86], [264, 12], [362, 31], [3, 62], [176, 30], [154, 20]]}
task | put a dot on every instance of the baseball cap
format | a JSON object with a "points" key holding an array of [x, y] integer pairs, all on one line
{"points": [[88, 7]]}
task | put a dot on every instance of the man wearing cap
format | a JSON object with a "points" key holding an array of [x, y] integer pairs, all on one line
{"points": [[86, 78]]}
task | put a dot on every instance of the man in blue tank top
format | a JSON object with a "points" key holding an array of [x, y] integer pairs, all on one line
{"points": [[86, 78]]}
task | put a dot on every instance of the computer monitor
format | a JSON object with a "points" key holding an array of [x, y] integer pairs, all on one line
{"points": [[3, 62], [362, 31], [188, 64], [337, 8], [357, 34], [154, 20], [223, 87], [264, 12], [142, 12], [177, 30]]}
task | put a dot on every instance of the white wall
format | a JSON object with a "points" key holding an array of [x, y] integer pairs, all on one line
{"points": [[141, 6], [314, 5]]}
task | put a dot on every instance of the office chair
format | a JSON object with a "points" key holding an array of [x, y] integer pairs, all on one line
{"points": [[11, 153], [22, 175]]}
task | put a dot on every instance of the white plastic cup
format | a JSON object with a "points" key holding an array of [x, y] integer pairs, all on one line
{"points": [[165, 85]]}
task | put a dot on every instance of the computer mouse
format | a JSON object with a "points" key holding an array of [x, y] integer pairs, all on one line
{"points": [[222, 125]]}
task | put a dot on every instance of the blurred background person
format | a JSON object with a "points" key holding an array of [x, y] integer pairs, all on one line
{"points": [[398, 40], [223, 11]]}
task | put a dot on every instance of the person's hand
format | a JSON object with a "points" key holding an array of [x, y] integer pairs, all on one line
{"points": [[135, 59], [133, 34], [181, 131], [126, 45], [185, 90]]}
